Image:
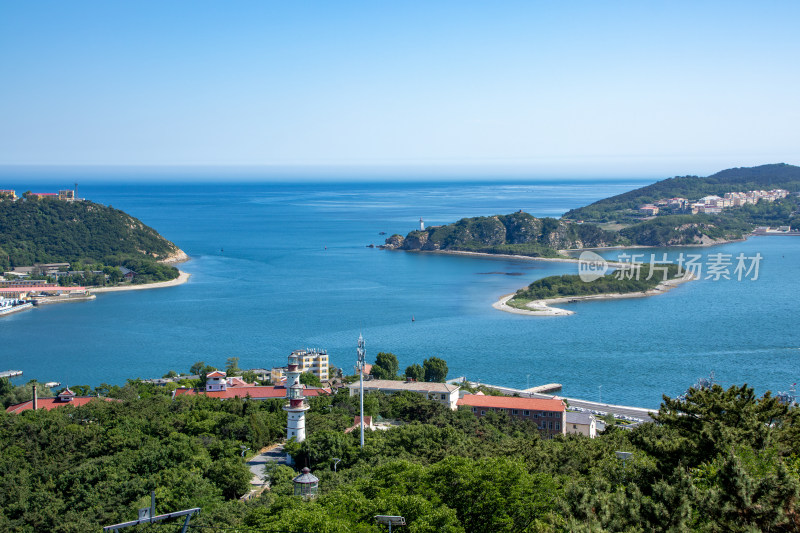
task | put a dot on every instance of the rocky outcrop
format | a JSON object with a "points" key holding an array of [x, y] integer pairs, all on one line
{"points": [[515, 233]]}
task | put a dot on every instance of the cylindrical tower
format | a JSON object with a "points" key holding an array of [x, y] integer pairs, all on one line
{"points": [[297, 407]]}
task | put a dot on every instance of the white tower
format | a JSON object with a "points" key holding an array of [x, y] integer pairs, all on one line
{"points": [[297, 407], [421, 224]]}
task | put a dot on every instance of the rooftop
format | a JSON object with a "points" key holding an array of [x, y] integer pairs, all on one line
{"points": [[512, 402], [52, 403], [579, 418], [414, 386], [254, 391]]}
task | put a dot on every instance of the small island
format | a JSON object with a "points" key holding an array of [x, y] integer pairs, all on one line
{"points": [[60, 245], [627, 282]]}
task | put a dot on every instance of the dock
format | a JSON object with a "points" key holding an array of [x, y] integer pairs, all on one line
{"points": [[10, 373], [544, 389]]}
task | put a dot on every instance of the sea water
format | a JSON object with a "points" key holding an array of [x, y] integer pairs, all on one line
{"points": [[276, 267]]}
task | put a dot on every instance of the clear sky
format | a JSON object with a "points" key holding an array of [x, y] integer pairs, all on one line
{"points": [[533, 88]]}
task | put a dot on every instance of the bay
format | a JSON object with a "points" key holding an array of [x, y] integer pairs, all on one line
{"points": [[279, 266]]}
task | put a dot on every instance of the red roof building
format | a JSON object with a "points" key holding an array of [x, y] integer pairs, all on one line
{"points": [[255, 392], [53, 403], [548, 414]]}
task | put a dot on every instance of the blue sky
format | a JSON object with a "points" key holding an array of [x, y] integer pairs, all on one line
{"points": [[517, 88]]}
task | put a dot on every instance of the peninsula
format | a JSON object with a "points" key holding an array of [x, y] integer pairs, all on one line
{"points": [[627, 282], [60, 242], [688, 210]]}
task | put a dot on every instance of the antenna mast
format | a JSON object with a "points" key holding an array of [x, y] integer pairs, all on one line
{"points": [[362, 352]]}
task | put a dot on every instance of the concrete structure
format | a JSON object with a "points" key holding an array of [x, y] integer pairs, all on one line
{"points": [[440, 392], [549, 415], [581, 423]]}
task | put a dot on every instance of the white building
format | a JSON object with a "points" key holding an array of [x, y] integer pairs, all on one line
{"points": [[581, 423]]}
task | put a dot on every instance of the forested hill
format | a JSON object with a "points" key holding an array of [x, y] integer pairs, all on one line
{"points": [[50, 231], [518, 233], [775, 176]]}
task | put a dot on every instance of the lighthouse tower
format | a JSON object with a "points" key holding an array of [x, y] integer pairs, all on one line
{"points": [[297, 407], [421, 224]]}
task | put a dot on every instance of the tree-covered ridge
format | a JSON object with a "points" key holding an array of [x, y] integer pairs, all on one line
{"points": [[517, 233], [53, 231], [715, 460], [619, 282], [743, 179]]}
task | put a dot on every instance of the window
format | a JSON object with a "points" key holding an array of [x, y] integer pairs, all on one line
{"points": [[551, 424], [514, 412], [444, 396], [474, 409], [483, 412], [574, 426], [558, 426]]}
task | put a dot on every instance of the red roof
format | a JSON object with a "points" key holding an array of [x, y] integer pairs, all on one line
{"points": [[512, 402], [39, 288], [254, 391], [216, 374], [52, 403]]}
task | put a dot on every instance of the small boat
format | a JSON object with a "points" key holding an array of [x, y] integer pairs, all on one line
{"points": [[413, 319]]}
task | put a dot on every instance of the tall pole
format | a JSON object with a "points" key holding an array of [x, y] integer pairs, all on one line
{"points": [[361, 355]]}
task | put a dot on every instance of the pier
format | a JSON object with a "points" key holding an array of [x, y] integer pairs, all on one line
{"points": [[10, 373]]}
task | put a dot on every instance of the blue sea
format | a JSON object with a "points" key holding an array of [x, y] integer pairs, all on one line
{"points": [[277, 266]]}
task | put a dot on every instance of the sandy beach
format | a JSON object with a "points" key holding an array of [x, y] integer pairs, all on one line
{"points": [[543, 307], [182, 278]]}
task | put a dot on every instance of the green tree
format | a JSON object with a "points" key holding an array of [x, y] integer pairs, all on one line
{"points": [[307, 378], [386, 366], [415, 372], [232, 366], [435, 369]]}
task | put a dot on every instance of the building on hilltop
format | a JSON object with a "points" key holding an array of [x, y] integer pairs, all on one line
{"points": [[548, 414], [11, 194], [440, 392], [219, 385]]}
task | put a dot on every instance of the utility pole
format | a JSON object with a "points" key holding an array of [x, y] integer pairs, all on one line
{"points": [[362, 352]]}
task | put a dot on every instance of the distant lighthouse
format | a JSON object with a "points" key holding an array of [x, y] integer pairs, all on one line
{"points": [[421, 224], [296, 408]]}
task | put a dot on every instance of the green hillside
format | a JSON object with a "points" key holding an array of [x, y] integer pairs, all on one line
{"points": [[518, 233], [775, 176], [53, 231]]}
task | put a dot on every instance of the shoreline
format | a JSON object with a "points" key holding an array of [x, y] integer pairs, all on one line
{"points": [[507, 256], [543, 307], [182, 278]]}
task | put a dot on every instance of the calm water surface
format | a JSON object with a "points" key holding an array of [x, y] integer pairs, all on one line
{"points": [[278, 267]]}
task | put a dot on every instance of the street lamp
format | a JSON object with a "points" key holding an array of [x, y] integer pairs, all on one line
{"points": [[624, 457], [244, 449], [336, 461], [390, 520]]}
